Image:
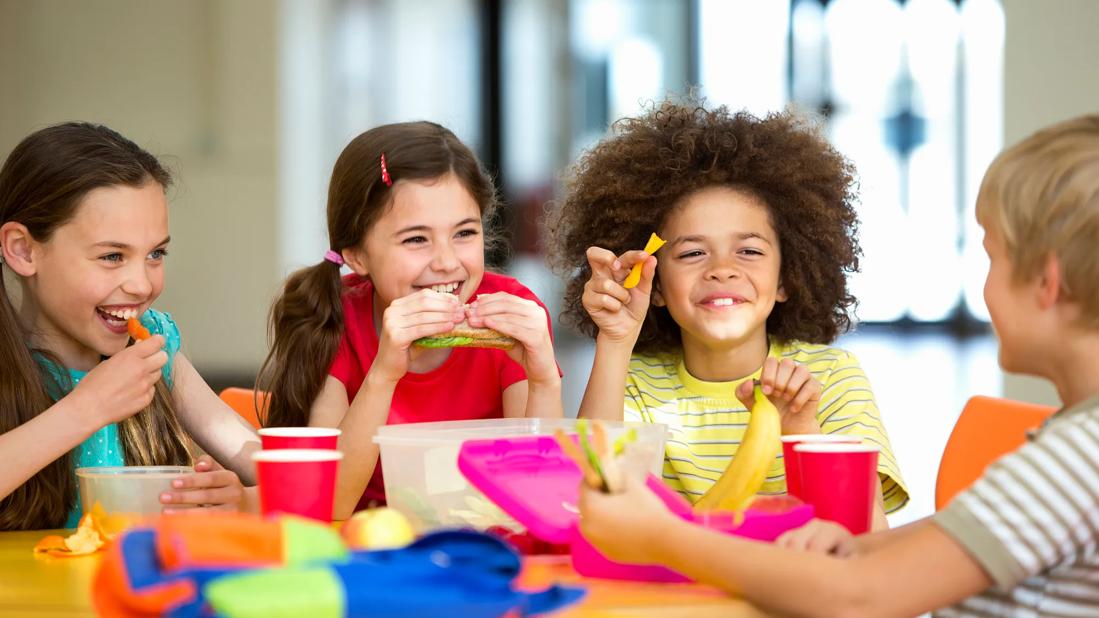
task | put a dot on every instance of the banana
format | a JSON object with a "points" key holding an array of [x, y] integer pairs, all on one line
{"points": [[736, 487]]}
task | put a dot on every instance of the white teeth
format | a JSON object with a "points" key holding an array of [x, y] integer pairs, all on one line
{"points": [[122, 314], [445, 288], [723, 302]]}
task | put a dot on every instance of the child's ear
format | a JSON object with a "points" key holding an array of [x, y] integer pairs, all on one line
{"points": [[17, 246], [1049, 282], [657, 297], [780, 295], [355, 258]]}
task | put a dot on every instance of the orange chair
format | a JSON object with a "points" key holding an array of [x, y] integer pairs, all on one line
{"points": [[244, 401], [986, 429]]}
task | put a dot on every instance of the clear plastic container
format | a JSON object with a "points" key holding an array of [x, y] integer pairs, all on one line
{"points": [[130, 492], [420, 465]]}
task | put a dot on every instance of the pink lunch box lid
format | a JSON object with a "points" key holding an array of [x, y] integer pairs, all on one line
{"points": [[532, 480]]}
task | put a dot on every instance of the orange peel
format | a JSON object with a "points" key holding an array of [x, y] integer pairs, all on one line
{"points": [[87, 539], [651, 247]]}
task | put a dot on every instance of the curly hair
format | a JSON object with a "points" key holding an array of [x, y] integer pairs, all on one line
{"points": [[627, 185]]}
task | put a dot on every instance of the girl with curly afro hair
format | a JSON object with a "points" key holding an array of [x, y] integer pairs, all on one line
{"points": [[760, 225]]}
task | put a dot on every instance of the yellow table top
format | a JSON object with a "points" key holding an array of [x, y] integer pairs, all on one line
{"points": [[41, 586]]}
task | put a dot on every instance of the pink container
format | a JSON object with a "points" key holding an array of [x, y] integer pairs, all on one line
{"points": [[840, 481], [534, 482], [790, 457], [297, 481], [299, 437]]}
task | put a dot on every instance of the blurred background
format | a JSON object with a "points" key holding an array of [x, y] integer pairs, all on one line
{"points": [[250, 102]]}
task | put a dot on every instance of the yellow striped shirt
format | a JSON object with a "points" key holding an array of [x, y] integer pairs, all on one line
{"points": [[706, 422]]}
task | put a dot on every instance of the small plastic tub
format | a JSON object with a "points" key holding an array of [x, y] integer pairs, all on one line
{"points": [[422, 479], [131, 492]]}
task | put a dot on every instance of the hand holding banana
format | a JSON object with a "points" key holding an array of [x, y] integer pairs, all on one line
{"points": [[736, 487]]}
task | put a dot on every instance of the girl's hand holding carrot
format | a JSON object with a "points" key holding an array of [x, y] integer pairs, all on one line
{"points": [[122, 385]]}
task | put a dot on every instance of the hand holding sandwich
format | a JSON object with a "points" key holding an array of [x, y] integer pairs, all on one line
{"points": [[524, 321], [422, 314]]}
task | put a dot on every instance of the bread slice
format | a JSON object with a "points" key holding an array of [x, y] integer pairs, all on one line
{"points": [[468, 337]]}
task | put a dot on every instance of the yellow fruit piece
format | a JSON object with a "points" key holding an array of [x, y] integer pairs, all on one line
{"points": [[380, 528], [632, 279], [736, 487]]}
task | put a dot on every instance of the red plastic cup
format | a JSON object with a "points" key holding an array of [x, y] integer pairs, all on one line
{"points": [[790, 458], [299, 437], [297, 481], [840, 481]]}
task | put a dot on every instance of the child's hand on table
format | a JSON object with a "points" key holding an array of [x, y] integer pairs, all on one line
{"points": [[421, 314], [821, 537], [211, 487], [617, 311], [793, 390], [525, 321], [622, 525]]}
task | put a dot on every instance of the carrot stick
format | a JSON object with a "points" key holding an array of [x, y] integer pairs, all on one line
{"points": [[136, 330], [655, 242]]}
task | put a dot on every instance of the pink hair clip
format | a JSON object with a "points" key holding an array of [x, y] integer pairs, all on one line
{"points": [[385, 173]]}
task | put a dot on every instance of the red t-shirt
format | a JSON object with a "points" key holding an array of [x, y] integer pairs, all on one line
{"points": [[468, 385]]}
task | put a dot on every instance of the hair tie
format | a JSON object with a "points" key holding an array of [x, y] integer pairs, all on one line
{"points": [[385, 173], [333, 257]]}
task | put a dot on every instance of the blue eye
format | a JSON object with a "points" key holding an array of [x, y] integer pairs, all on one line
{"points": [[158, 254], [111, 257]]}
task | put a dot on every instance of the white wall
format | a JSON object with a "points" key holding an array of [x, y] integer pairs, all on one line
{"points": [[1051, 74], [195, 81]]}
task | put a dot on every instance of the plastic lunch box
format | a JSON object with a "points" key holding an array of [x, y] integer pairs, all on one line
{"points": [[532, 480]]}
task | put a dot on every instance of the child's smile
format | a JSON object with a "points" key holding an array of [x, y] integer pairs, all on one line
{"points": [[450, 287], [722, 302], [115, 316]]}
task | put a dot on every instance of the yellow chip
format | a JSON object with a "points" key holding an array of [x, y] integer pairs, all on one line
{"points": [[655, 243]]}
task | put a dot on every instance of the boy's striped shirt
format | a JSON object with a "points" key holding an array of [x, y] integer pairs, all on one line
{"points": [[1032, 523], [706, 422]]}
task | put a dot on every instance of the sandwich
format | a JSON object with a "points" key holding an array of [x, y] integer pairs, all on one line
{"points": [[464, 336]]}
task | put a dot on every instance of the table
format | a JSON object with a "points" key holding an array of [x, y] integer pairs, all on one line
{"points": [[46, 587]]}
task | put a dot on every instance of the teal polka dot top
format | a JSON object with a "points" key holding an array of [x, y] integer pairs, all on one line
{"points": [[103, 448]]}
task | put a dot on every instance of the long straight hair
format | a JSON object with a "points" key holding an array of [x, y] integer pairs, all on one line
{"points": [[42, 184], [307, 319]]}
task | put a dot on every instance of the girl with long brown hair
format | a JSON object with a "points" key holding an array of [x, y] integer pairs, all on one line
{"points": [[84, 232], [407, 205]]}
